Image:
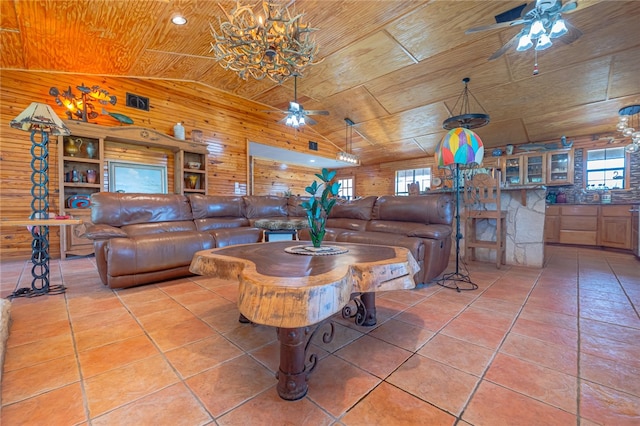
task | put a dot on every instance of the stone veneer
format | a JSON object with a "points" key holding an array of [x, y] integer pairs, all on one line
{"points": [[525, 229]]}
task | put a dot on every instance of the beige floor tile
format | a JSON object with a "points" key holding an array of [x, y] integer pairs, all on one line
{"points": [[374, 355], [458, 353]]}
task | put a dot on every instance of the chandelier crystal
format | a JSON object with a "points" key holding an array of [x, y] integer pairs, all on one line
{"points": [[629, 126], [274, 45]]}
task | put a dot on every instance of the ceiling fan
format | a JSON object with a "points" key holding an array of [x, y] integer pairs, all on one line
{"points": [[542, 20], [296, 115]]}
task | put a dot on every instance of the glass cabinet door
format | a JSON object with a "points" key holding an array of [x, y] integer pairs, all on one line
{"points": [[560, 167], [534, 169], [513, 170]]}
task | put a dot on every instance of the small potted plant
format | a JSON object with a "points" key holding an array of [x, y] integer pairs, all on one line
{"points": [[318, 209]]}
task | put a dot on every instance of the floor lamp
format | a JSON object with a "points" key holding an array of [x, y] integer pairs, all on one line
{"points": [[459, 147], [40, 119]]}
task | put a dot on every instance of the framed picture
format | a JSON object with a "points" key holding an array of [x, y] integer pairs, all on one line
{"points": [[137, 177]]}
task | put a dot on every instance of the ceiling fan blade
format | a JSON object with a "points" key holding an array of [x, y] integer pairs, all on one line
{"points": [[572, 34], [310, 121], [316, 112], [495, 26], [508, 45]]}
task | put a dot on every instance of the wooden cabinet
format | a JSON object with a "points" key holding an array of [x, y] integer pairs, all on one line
{"points": [[560, 167], [513, 170], [81, 173], [593, 225], [539, 168], [534, 169], [615, 226], [579, 225], [552, 224], [191, 173]]}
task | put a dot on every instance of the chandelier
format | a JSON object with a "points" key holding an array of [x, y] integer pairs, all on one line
{"points": [[346, 155], [465, 118], [275, 45], [629, 126]]}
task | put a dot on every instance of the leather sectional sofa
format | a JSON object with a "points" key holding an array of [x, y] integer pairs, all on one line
{"points": [[144, 238]]}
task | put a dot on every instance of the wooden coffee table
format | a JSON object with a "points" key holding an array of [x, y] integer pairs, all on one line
{"points": [[293, 292]]}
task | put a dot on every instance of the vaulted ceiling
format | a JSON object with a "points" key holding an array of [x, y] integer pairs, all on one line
{"points": [[395, 68]]}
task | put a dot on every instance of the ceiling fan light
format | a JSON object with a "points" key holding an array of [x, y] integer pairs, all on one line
{"points": [[524, 43], [544, 42], [301, 120], [537, 29], [558, 29], [628, 131]]}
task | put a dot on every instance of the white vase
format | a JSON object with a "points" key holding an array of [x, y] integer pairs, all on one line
{"points": [[178, 131]]}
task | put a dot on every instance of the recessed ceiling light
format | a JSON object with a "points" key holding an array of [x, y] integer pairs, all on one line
{"points": [[179, 20]]}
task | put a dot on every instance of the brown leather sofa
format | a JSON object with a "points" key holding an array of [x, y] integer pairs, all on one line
{"points": [[144, 238]]}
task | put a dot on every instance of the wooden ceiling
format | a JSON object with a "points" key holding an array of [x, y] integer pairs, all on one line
{"points": [[393, 67]]}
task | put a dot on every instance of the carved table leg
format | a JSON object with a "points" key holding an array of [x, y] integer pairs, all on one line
{"points": [[369, 302], [292, 377]]}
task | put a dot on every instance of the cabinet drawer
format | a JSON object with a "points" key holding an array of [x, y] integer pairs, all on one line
{"points": [[620, 210], [579, 223], [580, 210], [553, 210], [578, 237]]}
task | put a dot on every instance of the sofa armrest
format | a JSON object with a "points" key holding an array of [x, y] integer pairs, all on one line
{"points": [[434, 232], [103, 232]]}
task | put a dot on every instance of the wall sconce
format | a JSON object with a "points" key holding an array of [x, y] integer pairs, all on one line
{"points": [[82, 107]]}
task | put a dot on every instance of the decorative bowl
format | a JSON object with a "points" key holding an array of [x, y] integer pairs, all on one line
{"points": [[193, 165]]}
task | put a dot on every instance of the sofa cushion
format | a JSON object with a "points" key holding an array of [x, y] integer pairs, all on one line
{"points": [[220, 223], [158, 228], [345, 223], [118, 209], [265, 206], [145, 253], [414, 245], [436, 232], [204, 206], [355, 209]]}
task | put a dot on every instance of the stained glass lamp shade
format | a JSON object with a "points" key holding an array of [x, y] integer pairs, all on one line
{"points": [[459, 146]]}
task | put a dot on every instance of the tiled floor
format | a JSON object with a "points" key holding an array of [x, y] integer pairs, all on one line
{"points": [[552, 346]]}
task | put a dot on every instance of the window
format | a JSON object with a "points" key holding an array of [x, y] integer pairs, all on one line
{"points": [[606, 168], [346, 188], [420, 176]]}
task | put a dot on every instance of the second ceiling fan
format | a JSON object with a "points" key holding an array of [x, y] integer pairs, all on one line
{"points": [[542, 20]]}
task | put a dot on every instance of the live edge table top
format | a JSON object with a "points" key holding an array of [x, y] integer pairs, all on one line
{"points": [[287, 290]]}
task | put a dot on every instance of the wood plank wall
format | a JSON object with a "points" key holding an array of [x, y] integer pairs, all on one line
{"points": [[226, 121], [275, 178]]}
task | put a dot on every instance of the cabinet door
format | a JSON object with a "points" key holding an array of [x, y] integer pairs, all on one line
{"points": [[552, 224], [615, 226], [535, 168], [560, 167], [72, 244], [513, 170]]}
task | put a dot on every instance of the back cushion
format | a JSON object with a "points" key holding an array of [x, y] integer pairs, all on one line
{"points": [[433, 208], [118, 209], [293, 206], [356, 209], [257, 206], [204, 206]]}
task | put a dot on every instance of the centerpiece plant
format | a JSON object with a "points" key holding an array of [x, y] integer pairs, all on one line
{"points": [[318, 208]]}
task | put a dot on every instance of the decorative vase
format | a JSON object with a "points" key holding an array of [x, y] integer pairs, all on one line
{"points": [[75, 176], [178, 131], [192, 180], [71, 149], [91, 175], [91, 150]]}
